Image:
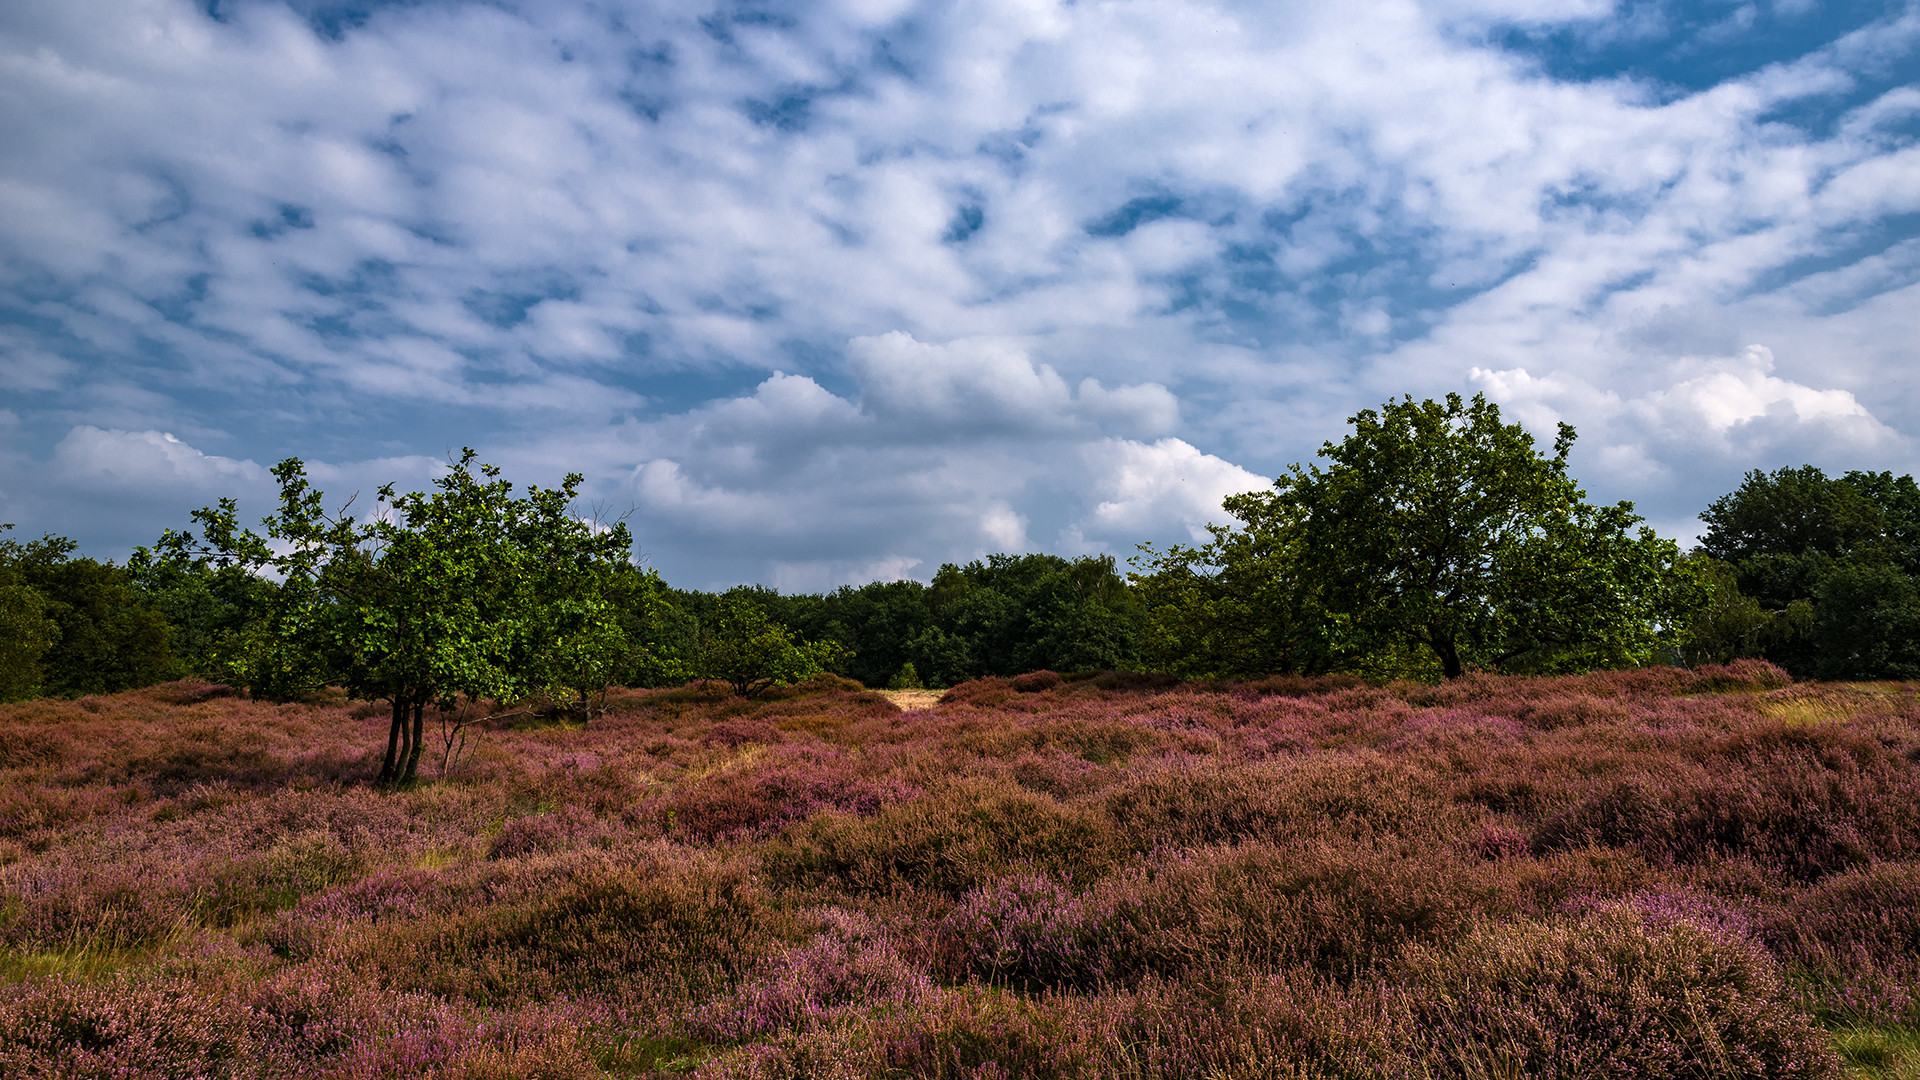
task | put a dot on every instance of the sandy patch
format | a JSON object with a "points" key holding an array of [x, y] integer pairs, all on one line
{"points": [[909, 700]]}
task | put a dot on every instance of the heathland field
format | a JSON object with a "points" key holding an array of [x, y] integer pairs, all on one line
{"points": [[1650, 873]]}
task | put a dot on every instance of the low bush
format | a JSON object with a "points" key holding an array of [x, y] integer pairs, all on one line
{"points": [[1607, 995], [1653, 873]]}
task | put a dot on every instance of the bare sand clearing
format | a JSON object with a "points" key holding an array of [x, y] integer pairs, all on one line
{"points": [[908, 700]]}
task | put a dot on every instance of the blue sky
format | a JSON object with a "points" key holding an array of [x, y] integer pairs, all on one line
{"points": [[833, 291]]}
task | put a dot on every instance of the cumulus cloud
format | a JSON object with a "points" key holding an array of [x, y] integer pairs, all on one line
{"points": [[984, 384], [1154, 489], [832, 286], [1709, 416], [979, 385], [1731, 397], [143, 466], [951, 453]]}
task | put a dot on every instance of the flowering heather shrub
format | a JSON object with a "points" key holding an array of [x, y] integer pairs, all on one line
{"points": [[546, 833], [168, 1027], [1338, 909], [276, 877], [1610, 996], [1189, 802], [1746, 674], [1858, 934], [82, 905], [1159, 1031], [681, 932], [733, 734], [1050, 876], [1058, 774], [953, 837], [775, 790], [122, 1028], [1035, 681], [1032, 932], [851, 966], [303, 931], [1808, 801]]}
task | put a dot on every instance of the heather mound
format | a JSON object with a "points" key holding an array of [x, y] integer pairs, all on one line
{"points": [[1654, 873]]}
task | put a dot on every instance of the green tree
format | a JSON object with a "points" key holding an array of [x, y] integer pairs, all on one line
{"points": [[1238, 605], [1731, 624], [1866, 622], [660, 637], [1437, 539], [464, 591], [206, 607], [26, 633], [744, 648], [876, 623], [1011, 614], [104, 638], [1831, 562]]}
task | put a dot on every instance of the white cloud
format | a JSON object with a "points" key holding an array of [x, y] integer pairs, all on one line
{"points": [[1709, 416], [875, 280], [1155, 489], [1731, 394], [982, 385], [979, 383], [145, 466]]}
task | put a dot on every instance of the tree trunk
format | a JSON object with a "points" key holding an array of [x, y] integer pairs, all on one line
{"points": [[390, 769], [1449, 657], [419, 737]]}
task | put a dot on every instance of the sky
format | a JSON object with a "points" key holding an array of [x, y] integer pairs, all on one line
{"points": [[834, 291]]}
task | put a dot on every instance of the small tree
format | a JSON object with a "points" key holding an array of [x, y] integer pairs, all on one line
{"points": [[467, 591], [1436, 525], [742, 647]]}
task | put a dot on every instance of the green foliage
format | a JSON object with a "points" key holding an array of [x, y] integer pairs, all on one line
{"points": [[877, 623], [907, 678], [26, 633], [467, 591], [1017, 613], [1436, 540], [1831, 564], [81, 626], [1004, 615], [207, 607], [659, 635], [1238, 605], [1733, 625], [1439, 525], [751, 653]]}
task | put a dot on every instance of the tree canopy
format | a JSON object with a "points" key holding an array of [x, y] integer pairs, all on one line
{"points": [[1436, 534], [467, 590], [750, 652], [1436, 538], [1827, 570], [71, 625]]}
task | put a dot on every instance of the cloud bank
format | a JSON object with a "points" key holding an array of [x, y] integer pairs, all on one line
{"points": [[832, 291]]}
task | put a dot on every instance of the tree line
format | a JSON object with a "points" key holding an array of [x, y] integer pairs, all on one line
{"points": [[1434, 539]]}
